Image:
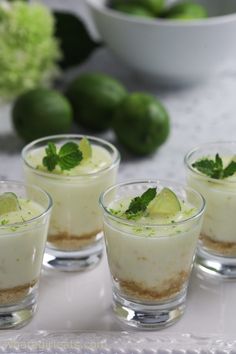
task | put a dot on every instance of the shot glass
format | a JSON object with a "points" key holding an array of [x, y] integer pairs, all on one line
{"points": [[23, 235], [75, 239], [216, 253], [150, 263]]}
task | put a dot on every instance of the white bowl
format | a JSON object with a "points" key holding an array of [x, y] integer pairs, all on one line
{"points": [[174, 51]]}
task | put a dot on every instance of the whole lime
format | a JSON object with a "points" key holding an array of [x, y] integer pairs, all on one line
{"points": [[40, 112], [186, 11], [141, 123], [94, 97], [155, 6], [133, 9]]}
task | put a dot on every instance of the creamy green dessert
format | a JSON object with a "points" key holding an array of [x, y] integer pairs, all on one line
{"points": [[215, 178], [152, 216], [27, 210], [74, 173], [97, 159], [22, 242], [151, 241]]}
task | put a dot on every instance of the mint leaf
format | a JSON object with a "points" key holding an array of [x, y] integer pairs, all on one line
{"points": [[230, 169], [218, 168], [51, 159], [69, 156], [218, 162], [51, 149], [50, 162], [214, 168], [205, 166], [139, 204]]}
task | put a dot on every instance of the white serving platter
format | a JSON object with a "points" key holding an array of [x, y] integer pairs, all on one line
{"points": [[74, 316], [74, 313]]}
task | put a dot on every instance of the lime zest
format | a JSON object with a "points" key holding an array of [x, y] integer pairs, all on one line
{"points": [[8, 203], [166, 203], [86, 148]]}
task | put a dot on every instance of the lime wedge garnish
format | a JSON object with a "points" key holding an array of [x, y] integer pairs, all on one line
{"points": [[8, 202], [85, 148], [165, 203]]}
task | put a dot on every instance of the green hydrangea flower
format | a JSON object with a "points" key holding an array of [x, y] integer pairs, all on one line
{"points": [[28, 49]]}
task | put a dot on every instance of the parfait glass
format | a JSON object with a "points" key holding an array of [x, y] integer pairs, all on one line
{"points": [[22, 245], [150, 263], [75, 239], [216, 253]]}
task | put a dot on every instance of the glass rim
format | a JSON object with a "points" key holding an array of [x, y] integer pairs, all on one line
{"points": [[153, 225], [198, 173], [35, 218], [115, 161]]}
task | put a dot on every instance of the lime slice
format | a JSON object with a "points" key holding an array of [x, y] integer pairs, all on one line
{"points": [[165, 203], [8, 202], [85, 148]]}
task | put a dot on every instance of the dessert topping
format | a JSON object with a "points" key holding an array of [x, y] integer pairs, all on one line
{"points": [[139, 204], [68, 156], [165, 203], [8, 203], [214, 167]]}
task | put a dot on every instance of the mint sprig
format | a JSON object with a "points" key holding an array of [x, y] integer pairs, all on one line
{"points": [[230, 169], [68, 156], [140, 204], [214, 168], [51, 159]]}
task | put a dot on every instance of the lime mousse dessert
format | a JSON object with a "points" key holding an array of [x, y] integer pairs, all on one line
{"points": [[74, 170], [214, 176], [19, 271], [24, 221], [151, 232], [211, 170]]}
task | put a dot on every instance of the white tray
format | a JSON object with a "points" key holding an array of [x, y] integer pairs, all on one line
{"points": [[113, 343], [76, 308], [75, 316]]}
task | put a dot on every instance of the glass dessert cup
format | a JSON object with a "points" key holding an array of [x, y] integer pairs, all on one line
{"points": [[22, 247], [150, 264], [75, 240], [216, 254]]}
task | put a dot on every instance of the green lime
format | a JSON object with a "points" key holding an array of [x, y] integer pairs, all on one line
{"points": [[141, 123], [40, 112], [8, 202], [165, 203], [186, 11], [85, 148], [154, 6], [94, 98], [133, 9]]}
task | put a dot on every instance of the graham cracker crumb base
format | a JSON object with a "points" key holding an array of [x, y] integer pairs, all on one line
{"points": [[222, 248], [67, 242], [141, 292], [13, 295]]}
